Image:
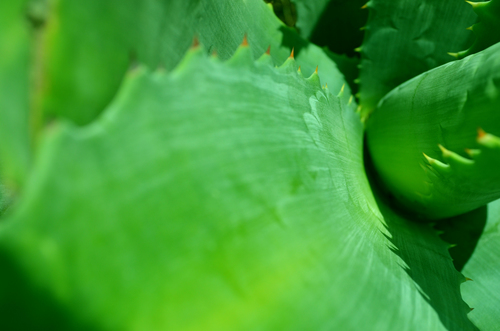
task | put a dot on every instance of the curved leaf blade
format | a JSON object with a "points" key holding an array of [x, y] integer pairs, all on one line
{"points": [[156, 34], [406, 38], [224, 196], [482, 292], [438, 113]]}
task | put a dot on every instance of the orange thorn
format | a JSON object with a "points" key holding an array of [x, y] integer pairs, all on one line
{"points": [[244, 43], [467, 278], [299, 69], [196, 42], [291, 54], [268, 52], [480, 133], [316, 71], [471, 309], [364, 6]]}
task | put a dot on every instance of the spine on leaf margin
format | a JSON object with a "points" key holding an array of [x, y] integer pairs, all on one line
{"points": [[423, 142], [487, 31]]}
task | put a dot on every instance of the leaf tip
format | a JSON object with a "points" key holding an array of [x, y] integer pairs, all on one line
{"points": [[196, 42], [480, 133], [244, 43]]}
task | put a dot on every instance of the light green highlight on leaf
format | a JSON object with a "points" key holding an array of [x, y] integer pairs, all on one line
{"points": [[482, 292], [14, 91], [225, 196]]}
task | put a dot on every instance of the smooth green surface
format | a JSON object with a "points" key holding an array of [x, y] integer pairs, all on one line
{"points": [[405, 38], [78, 83], [444, 106], [223, 196], [482, 268], [14, 90]]}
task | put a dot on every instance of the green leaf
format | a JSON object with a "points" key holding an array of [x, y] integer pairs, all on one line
{"points": [[482, 292], [487, 31], [438, 113], [405, 38], [78, 84], [14, 90], [224, 196], [341, 26], [309, 13]]}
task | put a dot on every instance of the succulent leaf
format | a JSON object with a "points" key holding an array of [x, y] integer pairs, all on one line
{"points": [[487, 31], [14, 99], [482, 268], [339, 26], [308, 15], [437, 113], [404, 38], [75, 85], [225, 195]]}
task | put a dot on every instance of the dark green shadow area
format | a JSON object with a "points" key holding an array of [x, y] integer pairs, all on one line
{"points": [[24, 307], [424, 257], [339, 26], [463, 231], [292, 40]]}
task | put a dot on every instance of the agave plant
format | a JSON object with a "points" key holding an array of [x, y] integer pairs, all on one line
{"points": [[250, 179]]}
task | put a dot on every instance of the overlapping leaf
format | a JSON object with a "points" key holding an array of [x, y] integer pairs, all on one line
{"points": [[482, 268], [223, 196], [405, 38], [438, 113], [79, 83]]}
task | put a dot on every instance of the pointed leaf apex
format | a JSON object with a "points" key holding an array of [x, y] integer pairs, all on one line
{"points": [[444, 150], [473, 4], [244, 43], [470, 28], [429, 159], [358, 49], [480, 133], [350, 100], [455, 55], [196, 42]]}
